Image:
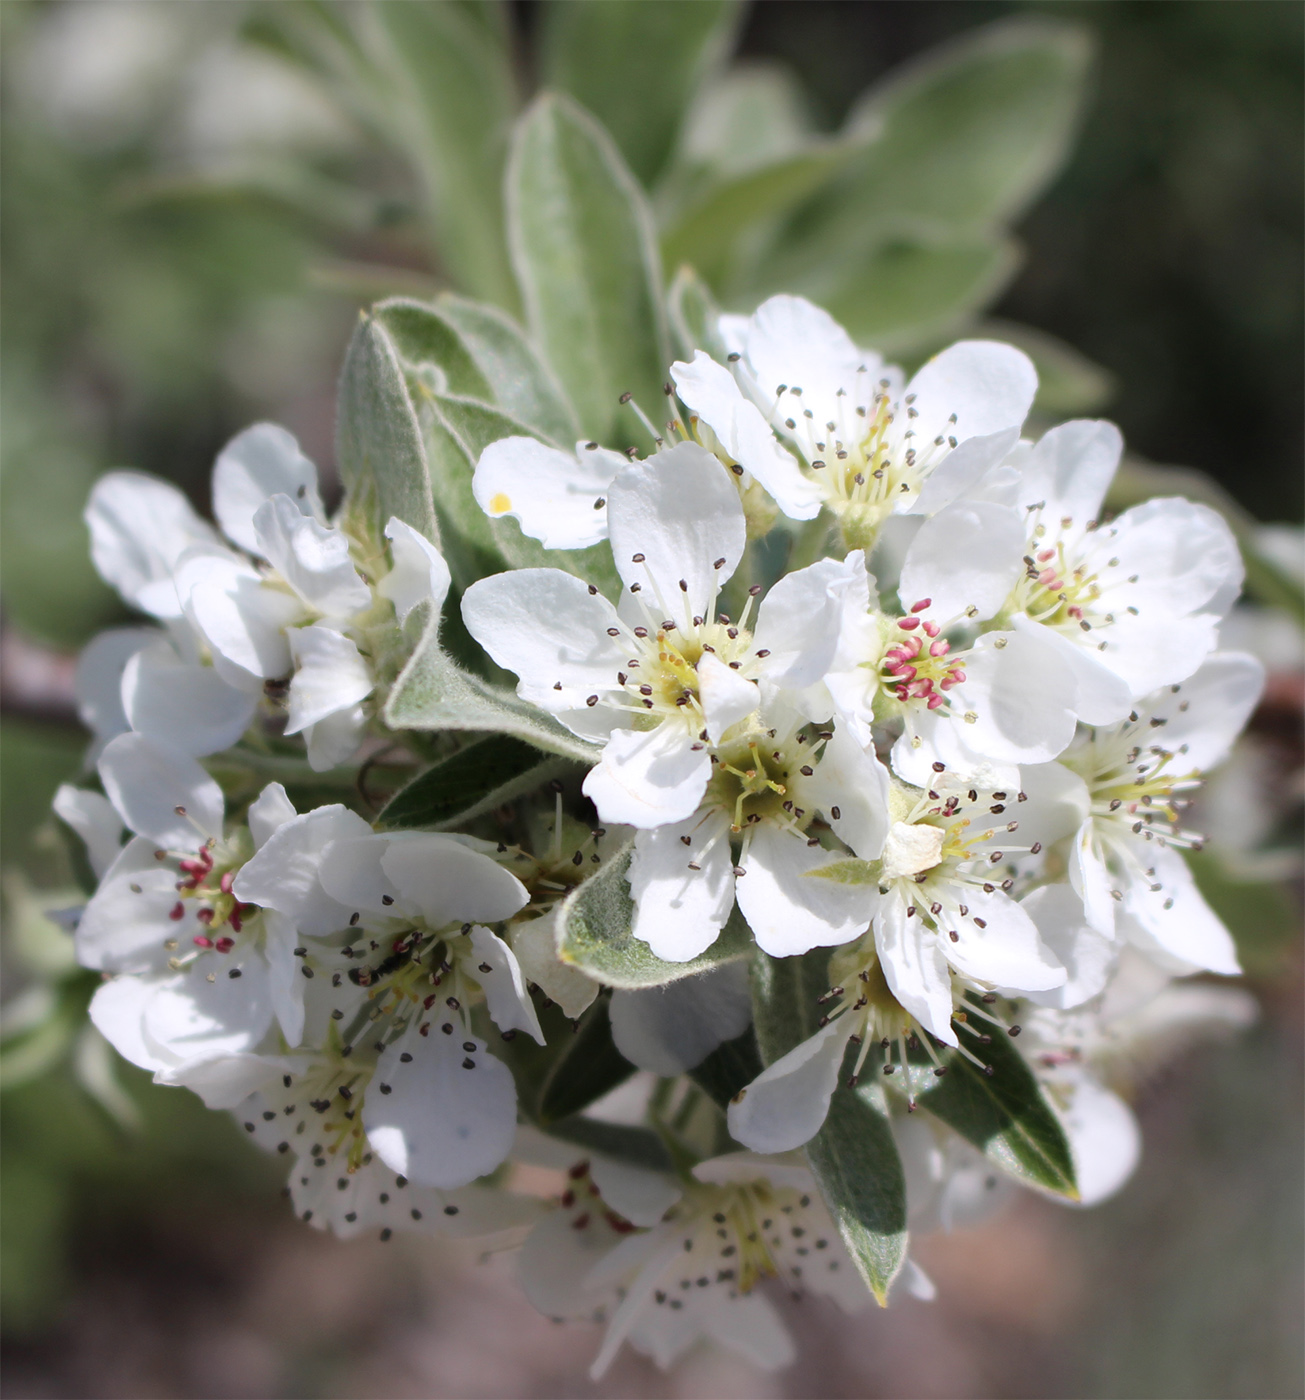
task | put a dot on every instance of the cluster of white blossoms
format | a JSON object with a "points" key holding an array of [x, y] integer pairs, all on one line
{"points": [[881, 696]]}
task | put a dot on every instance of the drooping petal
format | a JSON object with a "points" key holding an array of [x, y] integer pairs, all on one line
{"points": [[674, 1028], [1068, 471], [330, 675], [641, 1196], [494, 966], [140, 526], [312, 558], [451, 884], [1088, 957], [1091, 881], [98, 679], [351, 873], [788, 907], [967, 556], [161, 792], [334, 740], [242, 620], [649, 777], [188, 706], [559, 498], [725, 696], [961, 472], [451, 1112], [800, 619], [116, 1011], [534, 942], [268, 812], [419, 574], [549, 629], [257, 464], [1169, 918], [786, 1104], [94, 818], [672, 519], [284, 984], [678, 911], [1104, 1139], [915, 967], [987, 385], [284, 873], [712, 393]]}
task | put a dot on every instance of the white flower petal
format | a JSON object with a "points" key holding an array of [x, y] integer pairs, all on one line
{"points": [[116, 1011], [242, 619], [649, 777], [223, 1080], [786, 1104], [1100, 695], [855, 784], [1087, 956], [1202, 717], [506, 996], [190, 1018], [1008, 952], [330, 675], [679, 912], [680, 513], [726, 698], [312, 558], [915, 967], [1104, 1140], [126, 922], [969, 555], [94, 818], [188, 706], [284, 873], [788, 908], [351, 873], [269, 811], [800, 618], [98, 679], [1023, 696], [641, 1196], [559, 498], [333, 741], [262, 462], [285, 985], [1169, 919], [442, 1124], [987, 385], [550, 630], [674, 1028], [451, 884], [140, 526], [419, 574], [147, 781], [535, 944], [961, 472], [1069, 470], [1091, 880], [744, 435]]}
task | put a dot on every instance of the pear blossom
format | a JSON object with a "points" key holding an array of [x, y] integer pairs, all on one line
{"points": [[662, 677], [1137, 777], [557, 498], [286, 612], [198, 974], [866, 442], [408, 906]]}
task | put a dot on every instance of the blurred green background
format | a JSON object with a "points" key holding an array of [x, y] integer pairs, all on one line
{"points": [[197, 199]]}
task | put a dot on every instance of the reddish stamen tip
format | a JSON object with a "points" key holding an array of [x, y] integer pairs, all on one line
{"points": [[202, 940], [921, 605], [908, 624], [225, 945], [178, 911]]}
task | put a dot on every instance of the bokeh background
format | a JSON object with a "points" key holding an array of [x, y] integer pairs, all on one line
{"points": [[190, 222]]}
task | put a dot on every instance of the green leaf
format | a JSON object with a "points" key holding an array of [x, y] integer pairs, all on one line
{"points": [[589, 1067], [433, 692], [853, 1156], [849, 872], [423, 337], [450, 100], [750, 116], [731, 1066], [711, 226], [586, 259], [477, 779], [1004, 1115], [694, 316], [906, 292], [378, 440], [969, 134], [596, 934], [523, 385], [636, 64]]}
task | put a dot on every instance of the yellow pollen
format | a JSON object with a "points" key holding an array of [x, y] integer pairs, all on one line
{"points": [[499, 503]]}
